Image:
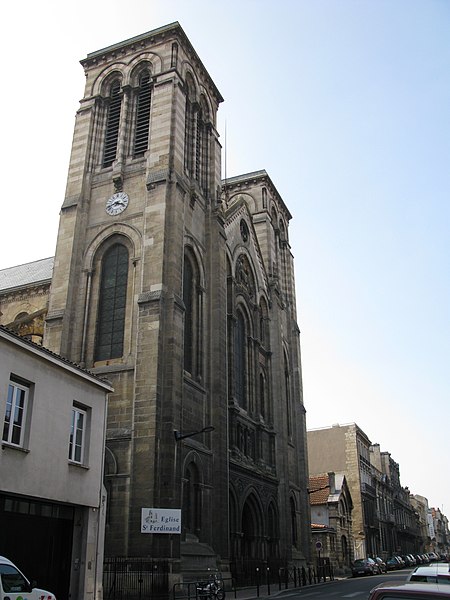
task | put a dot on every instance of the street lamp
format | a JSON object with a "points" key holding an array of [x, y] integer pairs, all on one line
{"points": [[181, 436]]}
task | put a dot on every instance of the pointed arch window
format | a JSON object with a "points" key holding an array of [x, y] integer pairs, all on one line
{"points": [[112, 124], [143, 102], [112, 304]]}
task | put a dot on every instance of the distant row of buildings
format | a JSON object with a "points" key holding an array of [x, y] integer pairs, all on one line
{"points": [[359, 507]]}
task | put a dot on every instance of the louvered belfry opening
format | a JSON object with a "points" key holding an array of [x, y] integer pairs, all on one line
{"points": [[112, 125], [142, 115]]}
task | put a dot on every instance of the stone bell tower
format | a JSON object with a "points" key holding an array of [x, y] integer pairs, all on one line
{"points": [[137, 291]]}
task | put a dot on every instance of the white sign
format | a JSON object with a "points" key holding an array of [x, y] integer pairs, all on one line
{"points": [[161, 520]]}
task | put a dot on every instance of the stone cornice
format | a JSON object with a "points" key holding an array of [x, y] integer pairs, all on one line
{"points": [[24, 292], [242, 183], [146, 41]]}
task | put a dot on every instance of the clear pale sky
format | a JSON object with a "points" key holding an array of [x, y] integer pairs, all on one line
{"points": [[346, 104]]}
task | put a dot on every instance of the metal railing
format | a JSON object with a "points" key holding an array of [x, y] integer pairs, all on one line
{"points": [[135, 579], [264, 581]]}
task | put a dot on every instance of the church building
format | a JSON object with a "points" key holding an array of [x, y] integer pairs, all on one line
{"points": [[178, 288]]}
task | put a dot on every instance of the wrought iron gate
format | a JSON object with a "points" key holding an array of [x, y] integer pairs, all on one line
{"points": [[135, 579]]}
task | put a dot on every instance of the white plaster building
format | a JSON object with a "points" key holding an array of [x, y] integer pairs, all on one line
{"points": [[52, 500]]}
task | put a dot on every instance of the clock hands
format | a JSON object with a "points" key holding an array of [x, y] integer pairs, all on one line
{"points": [[117, 203]]}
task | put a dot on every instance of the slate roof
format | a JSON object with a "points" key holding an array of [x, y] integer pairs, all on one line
{"points": [[319, 489], [5, 332], [39, 271]]}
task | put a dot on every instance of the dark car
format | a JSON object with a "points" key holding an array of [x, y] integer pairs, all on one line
{"points": [[409, 591], [381, 564], [364, 566], [392, 564]]}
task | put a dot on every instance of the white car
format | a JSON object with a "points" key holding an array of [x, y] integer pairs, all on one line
{"points": [[433, 573], [14, 585]]}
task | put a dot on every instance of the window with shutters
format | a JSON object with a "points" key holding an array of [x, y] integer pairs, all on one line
{"points": [[77, 436], [143, 101], [112, 304], [112, 124], [15, 414]]}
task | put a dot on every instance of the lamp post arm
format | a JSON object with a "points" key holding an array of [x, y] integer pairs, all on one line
{"points": [[181, 436]]}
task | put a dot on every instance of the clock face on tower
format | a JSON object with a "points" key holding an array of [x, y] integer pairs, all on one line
{"points": [[117, 203]]}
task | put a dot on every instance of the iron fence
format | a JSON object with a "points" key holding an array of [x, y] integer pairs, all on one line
{"points": [[269, 575], [135, 579]]}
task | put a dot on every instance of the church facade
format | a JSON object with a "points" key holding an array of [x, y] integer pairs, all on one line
{"points": [[179, 288]]}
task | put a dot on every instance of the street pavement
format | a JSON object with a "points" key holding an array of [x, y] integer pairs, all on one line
{"points": [[266, 593]]}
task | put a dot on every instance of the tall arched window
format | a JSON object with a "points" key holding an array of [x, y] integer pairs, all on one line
{"points": [[189, 125], [262, 395], [112, 124], [287, 391], [197, 131], [192, 316], [293, 522], [202, 149], [240, 361], [142, 115], [264, 324], [188, 299], [191, 516], [112, 304], [272, 531]]}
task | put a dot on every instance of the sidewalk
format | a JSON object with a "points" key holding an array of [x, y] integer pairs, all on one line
{"points": [[265, 593]]}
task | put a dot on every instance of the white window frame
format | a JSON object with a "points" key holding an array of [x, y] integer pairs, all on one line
{"points": [[13, 398], [76, 444]]}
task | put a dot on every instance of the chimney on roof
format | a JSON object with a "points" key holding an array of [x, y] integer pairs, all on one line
{"points": [[332, 482]]}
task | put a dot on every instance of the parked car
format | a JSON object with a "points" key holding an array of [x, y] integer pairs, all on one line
{"points": [[381, 564], [434, 573], [365, 566], [13, 584], [399, 561], [433, 556], [409, 591], [392, 564]]}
